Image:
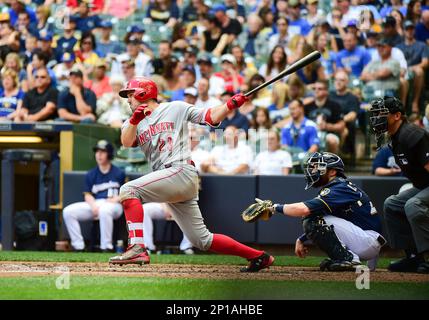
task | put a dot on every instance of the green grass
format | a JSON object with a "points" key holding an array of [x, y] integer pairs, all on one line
{"points": [[96, 287], [167, 258]]}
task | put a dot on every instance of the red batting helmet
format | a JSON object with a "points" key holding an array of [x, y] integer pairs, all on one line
{"points": [[143, 89]]}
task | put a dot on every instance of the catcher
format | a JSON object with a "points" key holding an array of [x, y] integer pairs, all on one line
{"points": [[341, 220]]}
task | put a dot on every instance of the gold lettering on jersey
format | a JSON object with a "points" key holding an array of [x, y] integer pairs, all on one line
{"points": [[154, 130]]}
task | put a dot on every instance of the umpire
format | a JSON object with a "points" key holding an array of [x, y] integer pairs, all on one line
{"points": [[407, 213]]}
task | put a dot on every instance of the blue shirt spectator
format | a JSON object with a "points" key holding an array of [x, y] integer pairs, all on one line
{"points": [[9, 104], [236, 119], [385, 161], [88, 23], [422, 30], [302, 137], [13, 15], [161, 14], [352, 58], [387, 10]]}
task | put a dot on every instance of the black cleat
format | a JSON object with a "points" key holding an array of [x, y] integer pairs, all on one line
{"points": [[423, 268], [259, 263], [406, 265], [338, 265]]}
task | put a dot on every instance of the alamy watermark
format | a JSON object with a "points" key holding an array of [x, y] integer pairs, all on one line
{"points": [[363, 278]]}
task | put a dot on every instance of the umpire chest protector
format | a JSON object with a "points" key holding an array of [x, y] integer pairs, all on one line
{"points": [[410, 147]]}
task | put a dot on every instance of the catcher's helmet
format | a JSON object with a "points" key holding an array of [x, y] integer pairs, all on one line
{"points": [[105, 146], [318, 164], [143, 89]]}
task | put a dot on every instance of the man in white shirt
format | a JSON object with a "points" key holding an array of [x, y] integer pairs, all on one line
{"points": [[273, 161], [204, 100], [229, 158]]}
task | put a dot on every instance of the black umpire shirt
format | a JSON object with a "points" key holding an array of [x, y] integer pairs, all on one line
{"points": [[410, 147]]}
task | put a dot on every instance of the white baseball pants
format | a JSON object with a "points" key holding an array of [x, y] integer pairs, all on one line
{"points": [[81, 211]]}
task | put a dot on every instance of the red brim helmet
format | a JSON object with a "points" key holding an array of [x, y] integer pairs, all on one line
{"points": [[142, 88]]}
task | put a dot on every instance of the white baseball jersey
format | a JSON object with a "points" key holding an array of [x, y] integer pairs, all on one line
{"points": [[272, 163], [163, 136]]}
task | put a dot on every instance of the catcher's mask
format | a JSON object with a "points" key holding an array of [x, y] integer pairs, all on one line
{"points": [[380, 109], [318, 164]]}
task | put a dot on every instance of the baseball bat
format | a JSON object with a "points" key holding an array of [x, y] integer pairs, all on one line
{"points": [[301, 63]]}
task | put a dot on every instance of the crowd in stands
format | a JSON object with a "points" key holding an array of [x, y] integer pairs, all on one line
{"points": [[67, 60]]}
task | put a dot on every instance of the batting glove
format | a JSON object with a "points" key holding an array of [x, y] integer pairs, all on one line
{"points": [[139, 114], [236, 101]]}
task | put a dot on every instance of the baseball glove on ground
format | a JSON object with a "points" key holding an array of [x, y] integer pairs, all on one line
{"points": [[262, 209]]}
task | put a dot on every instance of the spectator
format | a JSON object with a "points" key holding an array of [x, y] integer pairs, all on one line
{"points": [[353, 58], [100, 83], [141, 60], [204, 99], [384, 163], [165, 51], [231, 27], [277, 62], [26, 55], [44, 43], [62, 70], [163, 11], [350, 108], [16, 7], [382, 75], [13, 62], [188, 76], [137, 32], [24, 26], [232, 79], [128, 69], [111, 109], [197, 138], [106, 47], [10, 96], [417, 55], [414, 12], [193, 9], [233, 118], [213, 40], [395, 4], [236, 10], [40, 103], [44, 24], [253, 40], [273, 161], [328, 115], [77, 103], [390, 32], [347, 13], [172, 73], [39, 60], [86, 53], [190, 95], [329, 55], [278, 110], [120, 9], [160, 211], [399, 18], [243, 63], [84, 21], [230, 158], [260, 124], [67, 42], [9, 38], [297, 24], [280, 38], [312, 72], [335, 27], [313, 13], [422, 28], [190, 60], [300, 132], [101, 203], [261, 98], [216, 83]]}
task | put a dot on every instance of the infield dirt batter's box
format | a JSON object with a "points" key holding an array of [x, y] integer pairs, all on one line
{"points": [[223, 198]]}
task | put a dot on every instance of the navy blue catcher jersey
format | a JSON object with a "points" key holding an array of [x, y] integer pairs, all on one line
{"points": [[343, 199], [103, 186]]}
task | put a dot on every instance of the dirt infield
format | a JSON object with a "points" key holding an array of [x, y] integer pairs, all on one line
{"points": [[225, 272]]}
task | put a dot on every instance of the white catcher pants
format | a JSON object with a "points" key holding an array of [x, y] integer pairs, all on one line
{"points": [[157, 211], [81, 211], [362, 244]]}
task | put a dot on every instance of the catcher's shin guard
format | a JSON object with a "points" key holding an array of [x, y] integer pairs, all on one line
{"points": [[134, 255], [325, 238]]}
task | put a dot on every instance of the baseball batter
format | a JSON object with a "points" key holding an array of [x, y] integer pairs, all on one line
{"points": [[161, 131]]}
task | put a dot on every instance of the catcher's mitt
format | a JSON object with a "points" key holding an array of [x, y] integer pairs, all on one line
{"points": [[262, 209]]}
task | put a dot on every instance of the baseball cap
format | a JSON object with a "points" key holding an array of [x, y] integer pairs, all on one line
{"points": [[101, 63], [68, 57], [385, 42], [134, 40], [105, 146], [228, 57], [4, 17], [389, 21], [76, 72], [192, 91], [106, 24], [135, 29], [192, 50], [189, 68], [352, 23], [204, 59], [46, 36], [409, 24], [371, 34], [218, 7]]}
